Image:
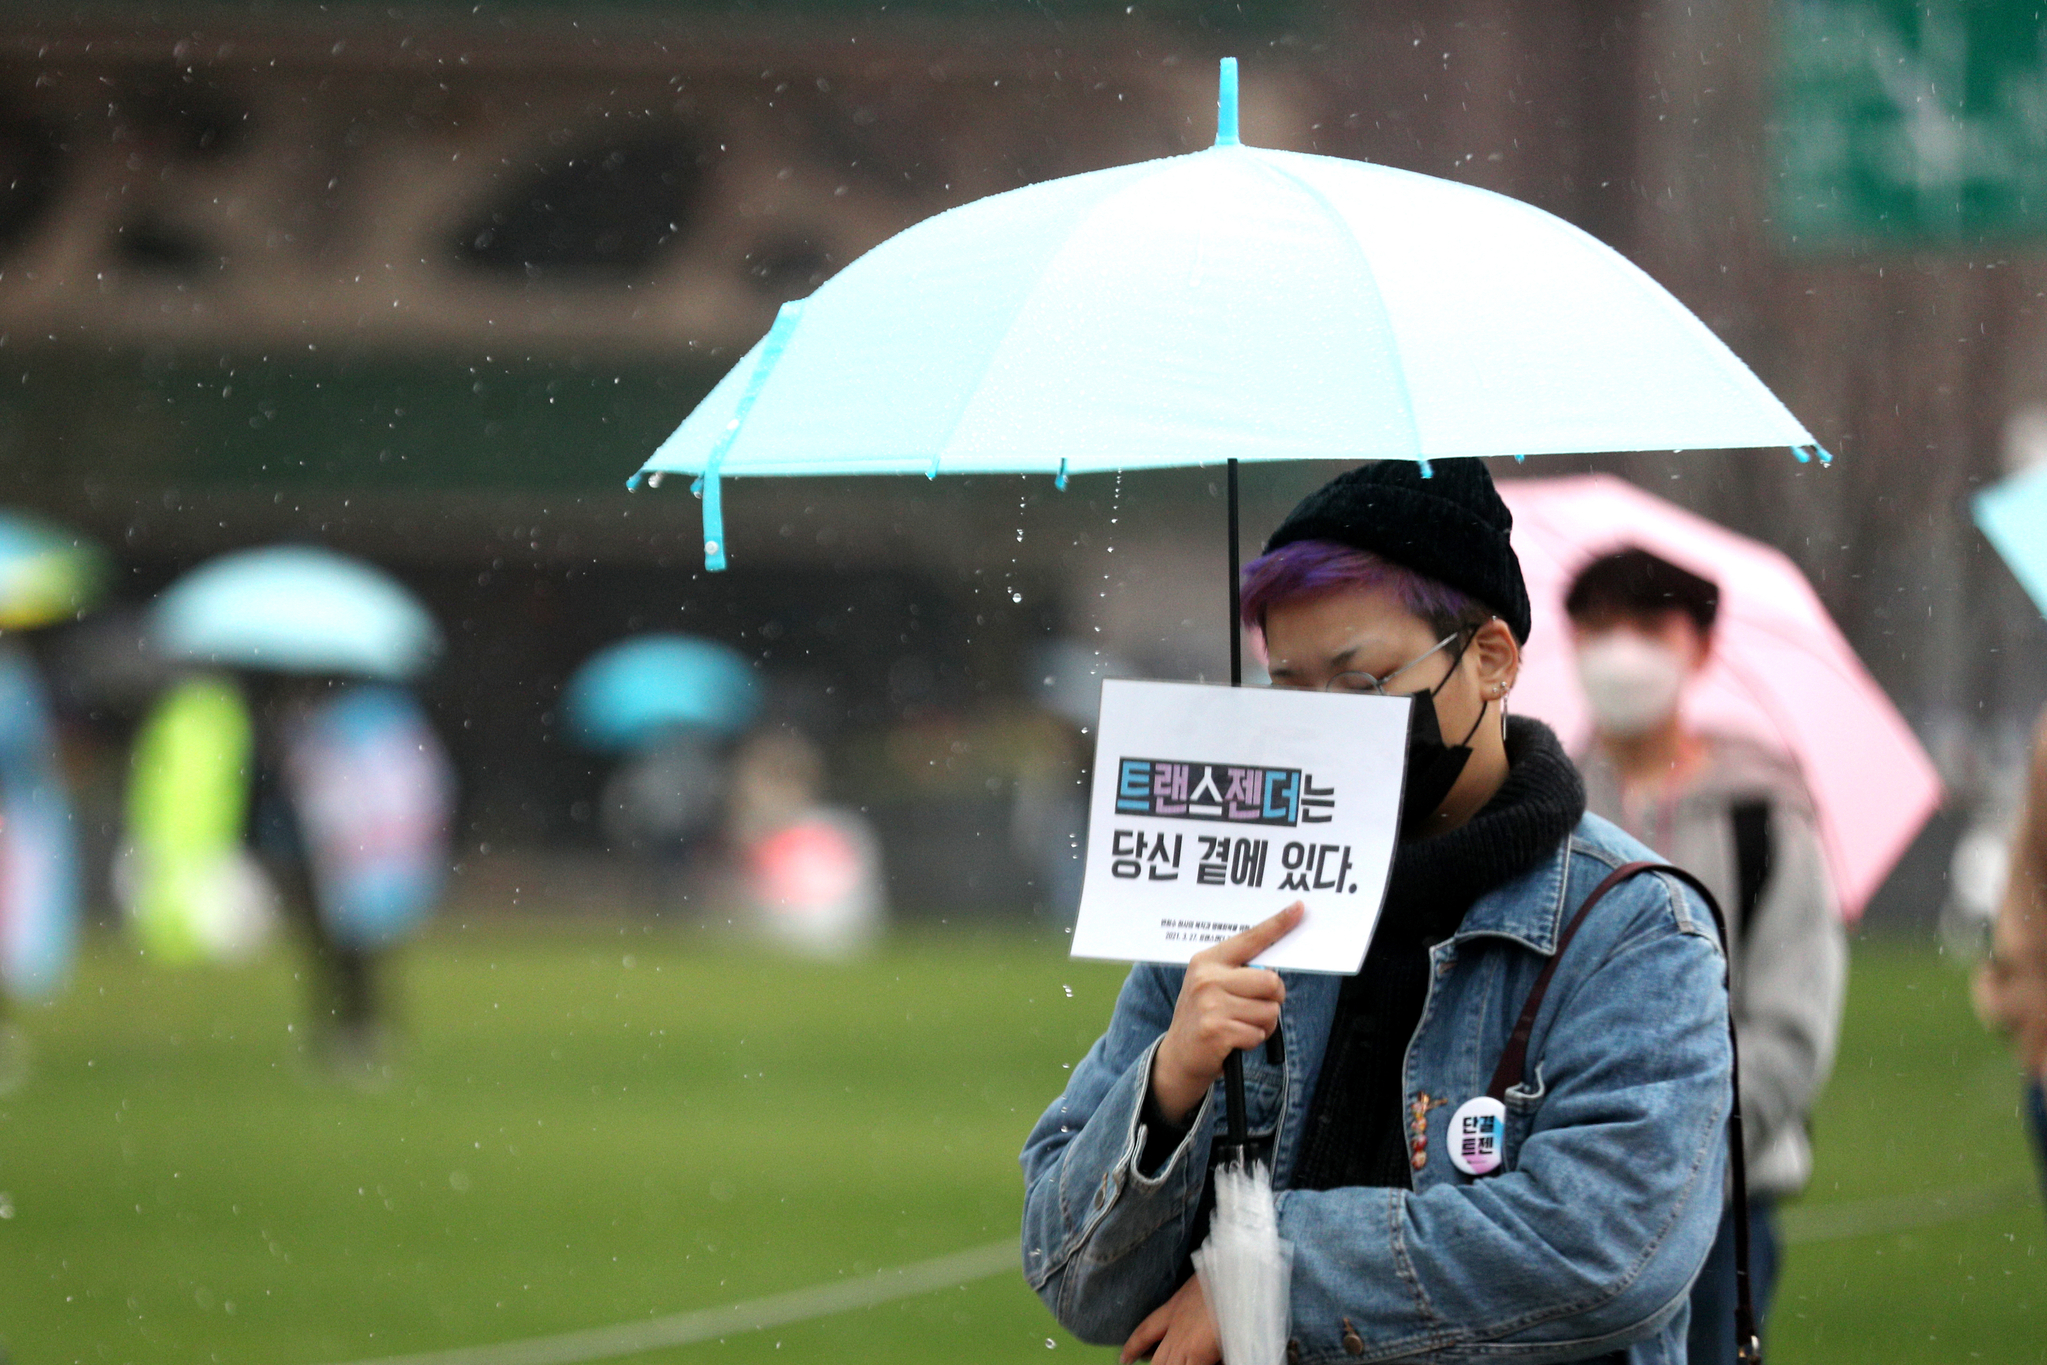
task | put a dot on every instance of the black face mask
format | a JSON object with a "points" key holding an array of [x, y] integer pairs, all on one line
{"points": [[1433, 767]]}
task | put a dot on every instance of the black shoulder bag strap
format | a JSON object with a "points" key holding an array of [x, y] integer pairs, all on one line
{"points": [[1751, 821], [1514, 1063]]}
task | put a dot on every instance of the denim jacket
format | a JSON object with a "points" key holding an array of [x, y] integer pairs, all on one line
{"points": [[1582, 1246]]}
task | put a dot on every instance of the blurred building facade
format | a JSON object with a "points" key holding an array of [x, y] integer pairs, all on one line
{"points": [[427, 283]]}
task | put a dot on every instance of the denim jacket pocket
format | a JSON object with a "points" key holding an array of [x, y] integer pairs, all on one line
{"points": [[1523, 1101]]}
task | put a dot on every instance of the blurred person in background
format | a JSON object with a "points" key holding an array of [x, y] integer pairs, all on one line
{"points": [[663, 800], [2010, 988], [809, 872], [48, 576], [39, 891], [1739, 817], [184, 877], [353, 812], [667, 709]]}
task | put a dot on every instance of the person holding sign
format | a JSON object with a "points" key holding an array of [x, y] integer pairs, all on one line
{"points": [[1453, 1188]]}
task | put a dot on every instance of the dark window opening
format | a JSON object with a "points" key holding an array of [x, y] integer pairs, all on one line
{"points": [[31, 167], [150, 243], [185, 118], [609, 211]]}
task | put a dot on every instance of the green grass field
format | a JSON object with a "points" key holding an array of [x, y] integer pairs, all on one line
{"points": [[592, 1125]]}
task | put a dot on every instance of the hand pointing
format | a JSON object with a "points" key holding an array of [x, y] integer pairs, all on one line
{"points": [[1223, 1006]]}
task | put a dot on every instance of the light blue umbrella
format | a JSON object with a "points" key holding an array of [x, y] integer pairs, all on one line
{"points": [[295, 609], [2013, 515], [47, 574], [1232, 304], [642, 689]]}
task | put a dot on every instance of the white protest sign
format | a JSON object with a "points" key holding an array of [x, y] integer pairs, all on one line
{"points": [[1216, 807]]}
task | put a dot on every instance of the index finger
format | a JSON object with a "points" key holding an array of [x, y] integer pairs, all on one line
{"points": [[1238, 950]]}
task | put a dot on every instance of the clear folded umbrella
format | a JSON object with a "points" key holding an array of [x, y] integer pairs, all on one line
{"points": [[1245, 1267], [1781, 671]]}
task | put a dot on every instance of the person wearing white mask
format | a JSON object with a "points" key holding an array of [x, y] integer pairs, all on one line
{"points": [[1738, 816]]}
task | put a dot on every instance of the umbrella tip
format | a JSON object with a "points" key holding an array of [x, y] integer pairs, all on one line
{"points": [[1226, 105], [632, 485]]}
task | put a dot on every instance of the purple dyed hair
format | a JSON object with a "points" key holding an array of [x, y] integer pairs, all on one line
{"points": [[1311, 568]]}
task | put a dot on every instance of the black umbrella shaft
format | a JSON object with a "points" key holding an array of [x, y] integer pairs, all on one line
{"points": [[1236, 631], [1238, 1134]]}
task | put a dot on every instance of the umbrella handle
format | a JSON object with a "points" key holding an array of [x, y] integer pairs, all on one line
{"points": [[1237, 1134]]}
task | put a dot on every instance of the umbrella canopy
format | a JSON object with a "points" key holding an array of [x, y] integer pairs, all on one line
{"points": [[46, 573], [295, 609], [1780, 670], [2013, 515], [1235, 303], [641, 689]]}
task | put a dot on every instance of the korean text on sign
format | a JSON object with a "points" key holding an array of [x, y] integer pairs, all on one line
{"points": [[1181, 789]]}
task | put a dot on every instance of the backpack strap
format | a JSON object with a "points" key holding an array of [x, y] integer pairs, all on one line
{"points": [[1751, 820], [1514, 1062]]}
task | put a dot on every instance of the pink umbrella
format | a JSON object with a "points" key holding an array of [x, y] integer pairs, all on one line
{"points": [[1781, 672]]}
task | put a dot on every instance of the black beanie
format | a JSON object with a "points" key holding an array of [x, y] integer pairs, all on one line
{"points": [[1451, 527]]}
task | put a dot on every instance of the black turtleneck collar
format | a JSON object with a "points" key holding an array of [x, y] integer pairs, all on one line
{"points": [[1438, 877]]}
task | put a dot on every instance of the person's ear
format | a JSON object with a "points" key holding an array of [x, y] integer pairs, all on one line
{"points": [[1498, 657]]}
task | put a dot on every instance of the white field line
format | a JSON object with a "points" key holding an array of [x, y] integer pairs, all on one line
{"points": [[706, 1324], [1802, 1224]]}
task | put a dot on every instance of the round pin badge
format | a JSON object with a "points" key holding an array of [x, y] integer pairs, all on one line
{"points": [[1478, 1132]]}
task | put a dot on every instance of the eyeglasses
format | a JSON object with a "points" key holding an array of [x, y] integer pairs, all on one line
{"points": [[1374, 685]]}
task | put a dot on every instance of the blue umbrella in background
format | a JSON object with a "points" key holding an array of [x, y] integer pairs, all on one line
{"points": [[2013, 516], [637, 691], [296, 609], [47, 574]]}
